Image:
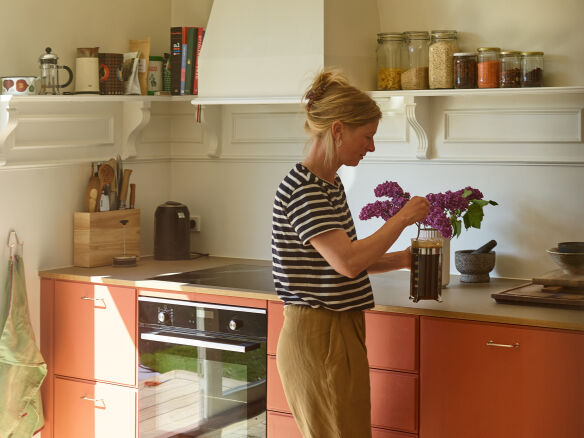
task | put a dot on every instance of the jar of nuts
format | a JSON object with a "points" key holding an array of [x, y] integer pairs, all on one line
{"points": [[415, 75], [510, 76], [442, 46], [390, 47], [465, 70], [532, 69]]}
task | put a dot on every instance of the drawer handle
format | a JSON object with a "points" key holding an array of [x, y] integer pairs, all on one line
{"points": [[492, 344], [94, 299], [95, 401]]}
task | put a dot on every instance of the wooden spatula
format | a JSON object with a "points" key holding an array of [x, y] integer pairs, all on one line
{"points": [[91, 192], [106, 176]]}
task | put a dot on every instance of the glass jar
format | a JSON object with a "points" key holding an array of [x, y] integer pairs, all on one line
{"points": [[464, 70], [510, 76], [532, 69], [443, 45], [488, 67], [390, 47], [415, 77], [426, 266]]}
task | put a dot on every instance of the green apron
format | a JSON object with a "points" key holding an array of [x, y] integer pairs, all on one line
{"points": [[22, 367]]}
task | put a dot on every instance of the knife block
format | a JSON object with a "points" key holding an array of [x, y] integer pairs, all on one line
{"points": [[98, 237]]}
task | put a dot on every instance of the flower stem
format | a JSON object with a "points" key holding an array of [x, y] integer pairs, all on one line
{"points": [[419, 225]]}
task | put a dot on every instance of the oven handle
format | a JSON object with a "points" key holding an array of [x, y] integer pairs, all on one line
{"points": [[239, 347]]}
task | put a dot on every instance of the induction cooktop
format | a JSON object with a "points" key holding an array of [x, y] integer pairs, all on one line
{"points": [[239, 276]]}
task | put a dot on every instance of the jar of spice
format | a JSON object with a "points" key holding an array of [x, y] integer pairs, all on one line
{"points": [[532, 69], [488, 67], [415, 77], [510, 76], [442, 46], [390, 47], [464, 70]]}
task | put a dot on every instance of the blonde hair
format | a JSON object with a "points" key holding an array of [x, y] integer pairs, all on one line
{"points": [[330, 98]]}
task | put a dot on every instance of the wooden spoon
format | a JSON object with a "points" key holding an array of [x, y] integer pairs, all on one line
{"points": [[106, 176], [91, 191]]}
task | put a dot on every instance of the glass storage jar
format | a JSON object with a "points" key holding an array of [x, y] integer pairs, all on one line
{"points": [[464, 70], [532, 69], [510, 76], [415, 76], [442, 46], [488, 67], [390, 48]]}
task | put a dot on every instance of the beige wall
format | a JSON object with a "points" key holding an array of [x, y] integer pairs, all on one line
{"points": [[554, 27]]}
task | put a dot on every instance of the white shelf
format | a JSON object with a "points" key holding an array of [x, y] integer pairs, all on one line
{"points": [[80, 98]]}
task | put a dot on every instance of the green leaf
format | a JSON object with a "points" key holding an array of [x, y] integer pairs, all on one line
{"points": [[493, 203], [457, 227], [480, 202], [475, 216], [466, 193]]}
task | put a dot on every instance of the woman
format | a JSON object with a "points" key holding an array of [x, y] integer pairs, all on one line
{"points": [[320, 268]]}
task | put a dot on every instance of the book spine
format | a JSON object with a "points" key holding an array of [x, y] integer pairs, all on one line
{"points": [[200, 37], [190, 61], [183, 62], [175, 59]]}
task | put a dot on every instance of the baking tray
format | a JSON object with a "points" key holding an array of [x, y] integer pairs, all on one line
{"points": [[531, 293]]}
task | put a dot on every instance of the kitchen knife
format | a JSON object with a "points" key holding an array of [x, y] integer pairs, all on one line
{"points": [[124, 190], [132, 195]]}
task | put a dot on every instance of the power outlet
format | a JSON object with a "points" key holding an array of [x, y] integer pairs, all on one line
{"points": [[196, 223]]}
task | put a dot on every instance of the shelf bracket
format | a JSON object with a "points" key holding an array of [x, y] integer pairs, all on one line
{"points": [[136, 116], [211, 123], [416, 121], [8, 124]]}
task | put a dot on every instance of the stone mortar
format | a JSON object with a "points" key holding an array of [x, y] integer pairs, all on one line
{"points": [[474, 268]]}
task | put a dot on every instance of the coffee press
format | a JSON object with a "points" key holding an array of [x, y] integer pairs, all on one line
{"points": [[50, 73]]}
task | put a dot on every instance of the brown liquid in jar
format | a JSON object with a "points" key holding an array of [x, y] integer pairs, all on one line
{"points": [[426, 270]]}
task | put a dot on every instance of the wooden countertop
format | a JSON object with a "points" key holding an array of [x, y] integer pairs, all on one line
{"points": [[391, 292]]}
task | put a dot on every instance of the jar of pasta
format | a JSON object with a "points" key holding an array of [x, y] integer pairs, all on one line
{"points": [[415, 76], [390, 47], [488, 67], [442, 46], [532, 69], [464, 70], [510, 76]]}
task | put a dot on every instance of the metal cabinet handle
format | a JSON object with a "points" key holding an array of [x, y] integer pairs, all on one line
{"points": [[94, 299], [94, 400], [493, 344]]}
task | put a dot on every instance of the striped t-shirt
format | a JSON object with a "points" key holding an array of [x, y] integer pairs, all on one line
{"points": [[306, 206]]}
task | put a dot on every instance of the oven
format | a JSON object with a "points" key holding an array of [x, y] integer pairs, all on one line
{"points": [[202, 369]]}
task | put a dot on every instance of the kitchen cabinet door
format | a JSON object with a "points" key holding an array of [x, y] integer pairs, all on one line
{"points": [[392, 341], [95, 332], [495, 380], [93, 410], [275, 323], [276, 399]]}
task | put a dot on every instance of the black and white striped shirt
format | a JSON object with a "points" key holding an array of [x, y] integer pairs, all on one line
{"points": [[306, 206]]}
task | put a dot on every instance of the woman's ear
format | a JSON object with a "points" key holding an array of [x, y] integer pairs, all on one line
{"points": [[337, 129]]}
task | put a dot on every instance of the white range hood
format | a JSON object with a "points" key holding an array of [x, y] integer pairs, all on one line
{"points": [[270, 48]]}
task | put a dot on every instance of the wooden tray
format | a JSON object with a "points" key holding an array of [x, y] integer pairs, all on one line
{"points": [[559, 278], [531, 293]]}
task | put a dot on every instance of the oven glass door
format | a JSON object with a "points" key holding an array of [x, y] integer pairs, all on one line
{"points": [[194, 384]]}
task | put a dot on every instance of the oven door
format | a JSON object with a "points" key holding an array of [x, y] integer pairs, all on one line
{"points": [[199, 384]]}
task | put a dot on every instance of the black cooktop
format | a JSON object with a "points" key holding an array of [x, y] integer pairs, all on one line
{"points": [[248, 277]]}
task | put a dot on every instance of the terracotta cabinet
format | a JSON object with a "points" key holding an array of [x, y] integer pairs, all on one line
{"points": [[497, 380], [89, 341]]}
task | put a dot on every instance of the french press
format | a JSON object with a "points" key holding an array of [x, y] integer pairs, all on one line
{"points": [[50, 73]]}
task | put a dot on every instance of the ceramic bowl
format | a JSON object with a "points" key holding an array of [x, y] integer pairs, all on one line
{"points": [[474, 268], [19, 85], [570, 262], [571, 247]]}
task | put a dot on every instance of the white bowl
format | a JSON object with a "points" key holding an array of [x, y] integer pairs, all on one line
{"points": [[19, 85]]}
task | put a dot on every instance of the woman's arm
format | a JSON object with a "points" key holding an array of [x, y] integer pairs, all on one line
{"points": [[392, 261], [350, 258]]}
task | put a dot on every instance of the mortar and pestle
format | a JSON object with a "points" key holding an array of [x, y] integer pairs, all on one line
{"points": [[475, 265]]}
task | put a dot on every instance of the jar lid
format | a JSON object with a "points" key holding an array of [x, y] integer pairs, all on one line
{"points": [[488, 49], [443, 33], [417, 35], [511, 52], [465, 54], [531, 53], [390, 36]]}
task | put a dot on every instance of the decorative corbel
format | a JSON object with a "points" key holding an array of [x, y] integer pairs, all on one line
{"points": [[136, 115]]}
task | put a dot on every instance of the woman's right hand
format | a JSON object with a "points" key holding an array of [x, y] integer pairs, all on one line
{"points": [[415, 210]]}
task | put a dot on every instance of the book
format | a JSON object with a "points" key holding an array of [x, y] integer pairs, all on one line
{"points": [[183, 60], [200, 37], [190, 58], [175, 59]]}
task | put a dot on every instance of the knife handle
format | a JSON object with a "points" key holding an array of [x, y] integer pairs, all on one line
{"points": [[132, 195], [126, 180]]}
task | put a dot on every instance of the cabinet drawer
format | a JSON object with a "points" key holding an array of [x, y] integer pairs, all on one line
{"points": [[530, 383], [283, 426], [392, 341], [95, 332], [93, 410], [275, 323], [394, 400], [394, 397]]}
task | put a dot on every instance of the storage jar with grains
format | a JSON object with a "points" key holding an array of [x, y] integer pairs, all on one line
{"points": [[464, 70], [488, 67], [390, 48], [415, 77], [443, 45], [510, 76], [532, 69]]}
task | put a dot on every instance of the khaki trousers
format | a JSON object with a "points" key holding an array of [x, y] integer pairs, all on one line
{"points": [[322, 361]]}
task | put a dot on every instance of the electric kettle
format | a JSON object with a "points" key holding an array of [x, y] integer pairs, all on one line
{"points": [[50, 73], [172, 231]]}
